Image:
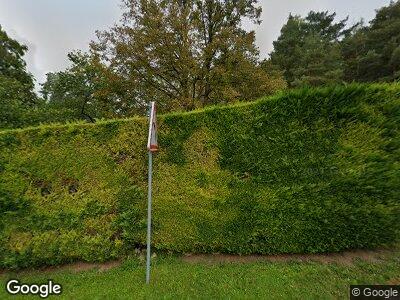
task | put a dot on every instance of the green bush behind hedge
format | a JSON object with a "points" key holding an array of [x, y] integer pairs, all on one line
{"points": [[306, 171]]}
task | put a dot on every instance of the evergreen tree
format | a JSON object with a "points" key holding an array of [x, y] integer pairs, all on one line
{"points": [[320, 63], [307, 51], [371, 53]]}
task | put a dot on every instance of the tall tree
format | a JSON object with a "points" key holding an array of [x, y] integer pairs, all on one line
{"points": [[16, 84], [372, 52], [12, 64], [185, 53], [320, 63], [78, 89], [307, 51]]}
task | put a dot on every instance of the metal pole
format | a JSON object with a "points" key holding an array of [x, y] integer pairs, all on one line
{"points": [[149, 218]]}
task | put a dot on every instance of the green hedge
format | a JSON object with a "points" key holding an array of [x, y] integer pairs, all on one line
{"points": [[310, 170]]}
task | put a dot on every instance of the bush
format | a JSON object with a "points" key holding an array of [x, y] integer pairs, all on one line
{"points": [[306, 171]]}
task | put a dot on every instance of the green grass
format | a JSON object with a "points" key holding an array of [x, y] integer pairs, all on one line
{"points": [[173, 278]]}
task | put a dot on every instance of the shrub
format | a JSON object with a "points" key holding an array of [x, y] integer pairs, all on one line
{"points": [[305, 171]]}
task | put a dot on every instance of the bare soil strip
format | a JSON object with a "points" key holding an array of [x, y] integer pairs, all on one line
{"points": [[74, 267], [345, 258]]}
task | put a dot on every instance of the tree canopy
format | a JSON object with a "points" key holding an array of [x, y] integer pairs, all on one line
{"points": [[308, 49], [12, 64], [16, 84], [317, 50], [78, 90], [372, 53], [186, 54]]}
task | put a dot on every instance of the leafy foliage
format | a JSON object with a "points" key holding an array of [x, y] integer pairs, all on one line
{"points": [[308, 49], [372, 52], [16, 84], [185, 54], [12, 64], [80, 90], [315, 50], [310, 170], [191, 54]]}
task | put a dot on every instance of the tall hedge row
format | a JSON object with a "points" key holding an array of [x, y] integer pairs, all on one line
{"points": [[311, 170]]}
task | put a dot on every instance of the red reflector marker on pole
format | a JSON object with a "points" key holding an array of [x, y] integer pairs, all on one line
{"points": [[152, 144]]}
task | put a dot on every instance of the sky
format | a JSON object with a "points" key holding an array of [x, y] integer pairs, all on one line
{"points": [[52, 28]]}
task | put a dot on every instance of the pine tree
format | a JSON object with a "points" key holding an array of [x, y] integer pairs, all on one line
{"points": [[308, 52], [371, 52]]}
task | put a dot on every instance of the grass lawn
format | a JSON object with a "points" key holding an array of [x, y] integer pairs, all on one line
{"points": [[174, 278]]}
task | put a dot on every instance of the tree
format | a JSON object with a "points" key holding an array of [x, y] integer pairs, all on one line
{"points": [[371, 52], [320, 63], [184, 53], [12, 65], [16, 84], [307, 51], [79, 91]]}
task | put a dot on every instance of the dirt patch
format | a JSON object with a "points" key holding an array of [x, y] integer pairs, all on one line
{"points": [[395, 281], [74, 267], [345, 258], [84, 266]]}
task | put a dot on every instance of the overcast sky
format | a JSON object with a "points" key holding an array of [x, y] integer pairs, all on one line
{"points": [[52, 28]]}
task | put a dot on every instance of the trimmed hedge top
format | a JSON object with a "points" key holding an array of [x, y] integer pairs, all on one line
{"points": [[310, 170]]}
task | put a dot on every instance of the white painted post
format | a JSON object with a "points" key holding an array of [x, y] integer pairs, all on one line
{"points": [[152, 146], [149, 218]]}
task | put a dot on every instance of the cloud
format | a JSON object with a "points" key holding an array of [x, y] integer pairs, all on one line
{"points": [[51, 29]]}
